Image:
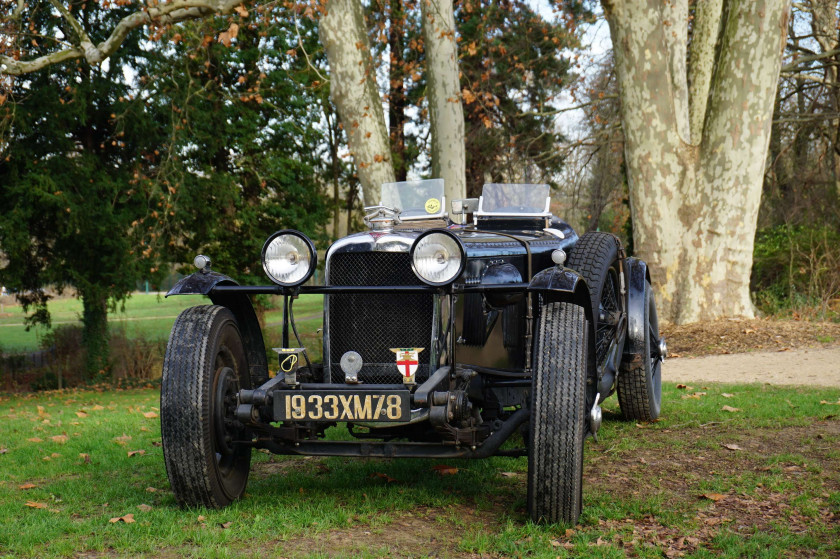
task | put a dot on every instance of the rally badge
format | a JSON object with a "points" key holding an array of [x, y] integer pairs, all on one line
{"points": [[407, 362]]}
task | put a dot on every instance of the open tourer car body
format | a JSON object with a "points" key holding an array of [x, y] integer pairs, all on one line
{"points": [[445, 335]]}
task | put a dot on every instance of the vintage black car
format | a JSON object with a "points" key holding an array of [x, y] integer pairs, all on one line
{"points": [[445, 335]]}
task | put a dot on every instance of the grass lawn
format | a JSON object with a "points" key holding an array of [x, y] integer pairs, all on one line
{"points": [[147, 316], [759, 481]]}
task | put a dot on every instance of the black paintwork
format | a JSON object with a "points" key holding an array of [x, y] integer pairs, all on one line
{"points": [[637, 274]]}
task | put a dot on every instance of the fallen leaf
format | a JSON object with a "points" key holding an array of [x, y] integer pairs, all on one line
{"points": [[138, 452], [732, 447], [97, 407], [386, 477], [569, 532], [27, 486], [241, 11], [144, 507], [55, 455], [36, 505], [681, 387], [509, 474], [85, 457], [226, 525], [3, 450], [46, 458], [60, 439], [150, 415], [713, 496], [35, 440], [81, 414], [122, 440], [128, 519], [201, 518], [555, 543], [730, 409], [726, 395], [150, 490], [444, 470]]}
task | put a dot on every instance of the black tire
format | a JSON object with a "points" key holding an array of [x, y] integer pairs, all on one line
{"points": [[558, 415], [640, 381], [596, 258], [204, 367]]}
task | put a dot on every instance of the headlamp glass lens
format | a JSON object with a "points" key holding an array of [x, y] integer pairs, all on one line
{"points": [[287, 259], [437, 258]]}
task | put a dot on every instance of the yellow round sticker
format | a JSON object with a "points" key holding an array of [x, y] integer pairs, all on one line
{"points": [[432, 206]]}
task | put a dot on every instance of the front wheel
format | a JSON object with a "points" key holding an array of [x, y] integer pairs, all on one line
{"points": [[558, 424], [203, 370]]}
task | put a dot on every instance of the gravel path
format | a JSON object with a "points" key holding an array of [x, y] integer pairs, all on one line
{"points": [[813, 367]]}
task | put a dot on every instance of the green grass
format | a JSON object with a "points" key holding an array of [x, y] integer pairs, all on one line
{"points": [[149, 316], [643, 489]]}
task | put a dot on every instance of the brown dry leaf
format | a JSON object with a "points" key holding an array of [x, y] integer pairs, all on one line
{"points": [[386, 477], [150, 415], [128, 519], [81, 414], [732, 447], [3, 450], [36, 505], [827, 403], [97, 407], [681, 387], [226, 525], [46, 458], [241, 11], [26, 486], [55, 455], [60, 439], [509, 474], [137, 452], [201, 518], [556, 543], [444, 470], [144, 507], [730, 409], [150, 490], [35, 440], [713, 496], [85, 457], [122, 440], [569, 532], [727, 395]]}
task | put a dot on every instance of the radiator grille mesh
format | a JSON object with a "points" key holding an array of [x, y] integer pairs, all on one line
{"points": [[371, 324]]}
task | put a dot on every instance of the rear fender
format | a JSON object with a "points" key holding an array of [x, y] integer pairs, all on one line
{"points": [[637, 274], [202, 283]]}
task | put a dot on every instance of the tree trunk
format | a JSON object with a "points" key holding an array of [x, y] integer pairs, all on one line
{"points": [[444, 92], [353, 90], [695, 180], [95, 331], [396, 96]]}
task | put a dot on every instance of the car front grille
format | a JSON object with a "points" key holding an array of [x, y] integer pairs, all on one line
{"points": [[372, 323]]}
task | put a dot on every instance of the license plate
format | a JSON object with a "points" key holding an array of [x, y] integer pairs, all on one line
{"points": [[326, 405]]}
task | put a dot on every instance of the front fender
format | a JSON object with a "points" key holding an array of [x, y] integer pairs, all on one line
{"points": [[557, 284], [202, 283]]}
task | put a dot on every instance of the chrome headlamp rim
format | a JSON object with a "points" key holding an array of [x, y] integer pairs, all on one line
{"points": [[309, 245], [461, 250]]}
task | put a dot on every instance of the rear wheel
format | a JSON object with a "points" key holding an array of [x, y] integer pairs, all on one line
{"points": [[203, 370], [558, 424], [640, 380]]}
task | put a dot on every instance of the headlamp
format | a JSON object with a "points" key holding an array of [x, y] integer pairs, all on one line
{"points": [[437, 257], [288, 258]]}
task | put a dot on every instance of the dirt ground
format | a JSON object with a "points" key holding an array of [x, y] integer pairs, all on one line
{"points": [[772, 351]]}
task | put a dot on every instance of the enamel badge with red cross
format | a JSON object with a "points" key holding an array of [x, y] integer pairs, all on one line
{"points": [[407, 362]]}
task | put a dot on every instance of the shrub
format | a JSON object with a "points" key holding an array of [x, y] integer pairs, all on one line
{"points": [[795, 267]]}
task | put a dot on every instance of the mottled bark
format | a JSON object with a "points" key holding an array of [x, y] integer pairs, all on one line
{"points": [[695, 200], [702, 62], [444, 94], [353, 90]]}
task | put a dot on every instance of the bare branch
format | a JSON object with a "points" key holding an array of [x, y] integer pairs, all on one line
{"points": [[172, 12], [806, 59], [567, 109]]}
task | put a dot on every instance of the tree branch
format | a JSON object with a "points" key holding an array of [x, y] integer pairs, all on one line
{"points": [[806, 59], [172, 12], [707, 19]]}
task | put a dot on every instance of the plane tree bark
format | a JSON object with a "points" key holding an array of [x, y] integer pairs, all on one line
{"points": [[696, 141]]}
